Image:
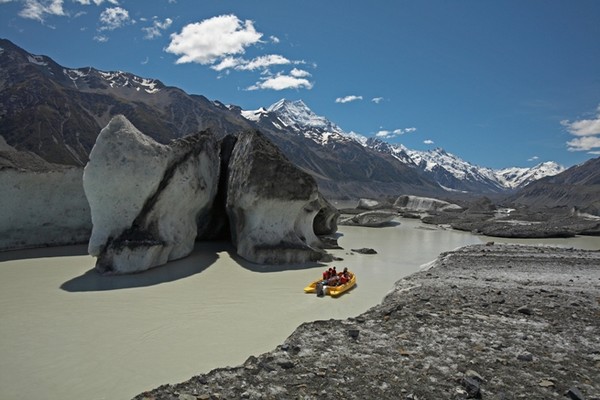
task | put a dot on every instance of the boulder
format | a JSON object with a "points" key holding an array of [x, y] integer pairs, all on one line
{"points": [[423, 204], [365, 250], [271, 205], [146, 198], [372, 204], [370, 218]]}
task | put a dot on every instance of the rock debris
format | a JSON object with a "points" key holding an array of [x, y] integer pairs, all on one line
{"points": [[468, 327]]}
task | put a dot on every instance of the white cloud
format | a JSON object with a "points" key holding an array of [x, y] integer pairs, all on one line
{"points": [[299, 73], [96, 2], [241, 64], [207, 41], [585, 143], [404, 131], [348, 99], [377, 100], [428, 141], [586, 131], [157, 27], [113, 18], [145, 61], [281, 82], [258, 63], [534, 158], [227, 63], [263, 62], [584, 127], [219, 42], [101, 38], [384, 133], [38, 9]]}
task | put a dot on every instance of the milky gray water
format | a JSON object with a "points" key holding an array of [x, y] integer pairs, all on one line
{"points": [[67, 333]]}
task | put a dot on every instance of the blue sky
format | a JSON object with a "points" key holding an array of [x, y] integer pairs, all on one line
{"points": [[498, 83]]}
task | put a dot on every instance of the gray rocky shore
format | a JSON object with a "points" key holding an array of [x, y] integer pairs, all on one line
{"points": [[485, 321]]}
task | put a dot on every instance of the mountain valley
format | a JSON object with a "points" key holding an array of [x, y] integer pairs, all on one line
{"points": [[51, 116]]}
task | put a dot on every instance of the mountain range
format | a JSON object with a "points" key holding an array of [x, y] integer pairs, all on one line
{"points": [[56, 112], [448, 171], [578, 187], [51, 115]]}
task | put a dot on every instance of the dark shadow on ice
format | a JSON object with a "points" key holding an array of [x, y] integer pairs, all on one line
{"points": [[204, 255], [44, 252]]}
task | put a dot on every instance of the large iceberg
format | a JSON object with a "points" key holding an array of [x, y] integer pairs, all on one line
{"points": [[146, 198]]}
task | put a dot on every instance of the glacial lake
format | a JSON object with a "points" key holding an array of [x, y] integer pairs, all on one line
{"points": [[67, 333]]}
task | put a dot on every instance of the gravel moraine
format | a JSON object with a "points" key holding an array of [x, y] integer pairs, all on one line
{"points": [[484, 321]]}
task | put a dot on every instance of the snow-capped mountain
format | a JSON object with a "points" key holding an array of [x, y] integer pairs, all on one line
{"points": [[297, 118], [577, 188], [297, 115], [449, 171], [342, 163], [453, 173], [398, 151], [519, 177]]}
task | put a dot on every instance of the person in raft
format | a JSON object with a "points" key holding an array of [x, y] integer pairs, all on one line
{"points": [[333, 278], [344, 276], [328, 274]]}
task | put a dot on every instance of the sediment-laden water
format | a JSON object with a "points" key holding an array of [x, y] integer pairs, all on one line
{"points": [[67, 333]]}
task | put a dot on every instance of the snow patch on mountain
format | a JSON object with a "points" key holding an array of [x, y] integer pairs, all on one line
{"points": [[456, 166], [357, 137], [37, 60], [398, 151], [297, 114], [298, 118], [254, 115], [518, 177], [115, 79]]}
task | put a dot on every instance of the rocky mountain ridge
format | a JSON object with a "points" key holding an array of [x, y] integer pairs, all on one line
{"points": [[448, 170], [56, 112], [341, 163], [577, 188]]}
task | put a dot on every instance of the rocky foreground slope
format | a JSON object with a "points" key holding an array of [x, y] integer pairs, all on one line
{"points": [[485, 321]]}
